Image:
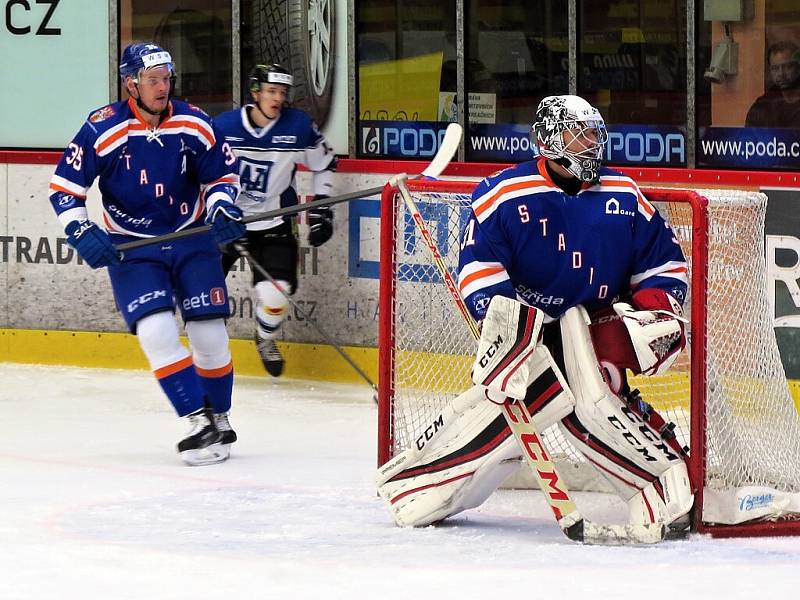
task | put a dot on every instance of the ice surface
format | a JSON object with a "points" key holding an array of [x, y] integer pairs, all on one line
{"points": [[95, 504]]}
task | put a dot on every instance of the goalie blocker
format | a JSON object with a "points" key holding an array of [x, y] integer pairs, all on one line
{"points": [[468, 451]]}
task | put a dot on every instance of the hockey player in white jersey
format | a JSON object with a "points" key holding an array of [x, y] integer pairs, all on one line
{"points": [[606, 279], [270, 140]]}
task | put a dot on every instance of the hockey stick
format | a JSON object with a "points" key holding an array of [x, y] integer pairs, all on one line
{"points": [[240, 248], [448, 147], [519, 420]]}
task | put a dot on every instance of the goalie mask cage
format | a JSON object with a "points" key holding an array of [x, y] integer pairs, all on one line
{"points": [[730, 401]]}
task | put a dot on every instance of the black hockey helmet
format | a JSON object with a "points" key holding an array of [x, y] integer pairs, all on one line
{"points": [[273, 73]]}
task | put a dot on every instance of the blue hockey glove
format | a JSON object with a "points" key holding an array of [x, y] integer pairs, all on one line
{"points": [[321, 223], [92, 244], [225, 220]]}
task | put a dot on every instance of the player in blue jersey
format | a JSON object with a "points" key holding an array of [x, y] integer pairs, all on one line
{"points": [[162, 167], [606, 277], [271, 140]]}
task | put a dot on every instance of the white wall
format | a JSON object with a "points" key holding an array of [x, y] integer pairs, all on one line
{"points": [[42, 286]]}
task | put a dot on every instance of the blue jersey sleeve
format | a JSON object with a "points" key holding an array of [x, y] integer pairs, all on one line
{"points": [[484, 252], [74, 175], [217, 170], [658, 261]]}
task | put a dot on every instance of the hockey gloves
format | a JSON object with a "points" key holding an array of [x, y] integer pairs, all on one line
{"points": [[92, 244], [225, 219], [655, 324], [321, 223]]}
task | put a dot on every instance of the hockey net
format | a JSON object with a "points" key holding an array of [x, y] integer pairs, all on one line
{"points": [[727, 393]]}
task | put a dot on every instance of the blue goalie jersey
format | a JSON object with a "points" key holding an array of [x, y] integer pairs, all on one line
{"points": [[527, 239], [152, 180]]}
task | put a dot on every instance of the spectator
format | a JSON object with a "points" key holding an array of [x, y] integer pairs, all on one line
{"points": [[780, 105]]}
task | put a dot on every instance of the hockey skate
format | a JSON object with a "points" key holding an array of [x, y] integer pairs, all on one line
{"points": [[270, 355], [227, 436], [202, 446]]}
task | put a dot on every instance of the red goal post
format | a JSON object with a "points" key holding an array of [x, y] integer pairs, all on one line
{"points": [[730, 400]]}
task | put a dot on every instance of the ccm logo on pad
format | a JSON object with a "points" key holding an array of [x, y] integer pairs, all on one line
{"points": [[490, 352]]}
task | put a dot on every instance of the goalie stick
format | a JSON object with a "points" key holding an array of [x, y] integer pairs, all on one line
{"points": [[444, 154], [571, 522]]}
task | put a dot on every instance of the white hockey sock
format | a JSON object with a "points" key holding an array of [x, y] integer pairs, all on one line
{"points": [[270, 307]]}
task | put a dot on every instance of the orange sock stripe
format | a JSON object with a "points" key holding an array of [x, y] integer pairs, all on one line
{"points": [[173, 368], [220, 372]]}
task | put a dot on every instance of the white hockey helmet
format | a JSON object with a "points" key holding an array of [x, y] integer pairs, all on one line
{"points": [[560, 120]]}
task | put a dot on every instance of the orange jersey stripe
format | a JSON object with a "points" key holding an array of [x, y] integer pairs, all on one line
{"points": [[221, 372], [231, 178], [58, 188], [480, 274], [173, 368], [489, 202], [177, 123], [111, 139]]}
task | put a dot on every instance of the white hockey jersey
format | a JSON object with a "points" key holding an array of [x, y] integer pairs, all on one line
{"points": [[268, 160]]}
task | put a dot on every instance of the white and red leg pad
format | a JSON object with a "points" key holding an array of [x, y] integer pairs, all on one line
{"points": [[644, 469], [466, 453], [509, 337]]}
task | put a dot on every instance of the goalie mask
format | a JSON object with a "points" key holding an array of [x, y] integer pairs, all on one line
{"points": [[571, 132]]}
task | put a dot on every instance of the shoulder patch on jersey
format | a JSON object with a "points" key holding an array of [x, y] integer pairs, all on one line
{"points": [[102, 114]]}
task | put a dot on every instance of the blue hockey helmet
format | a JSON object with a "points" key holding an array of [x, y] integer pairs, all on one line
{"points": [[139, 56]]}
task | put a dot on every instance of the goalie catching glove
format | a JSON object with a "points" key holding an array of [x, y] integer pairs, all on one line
{"points": [[651, 339]]}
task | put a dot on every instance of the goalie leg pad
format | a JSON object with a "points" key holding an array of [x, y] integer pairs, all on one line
{"points": [[465, 454], [613, 437], [509, 337]]}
